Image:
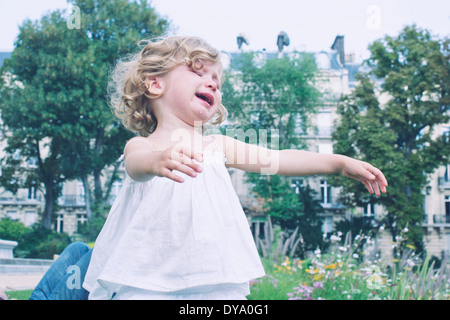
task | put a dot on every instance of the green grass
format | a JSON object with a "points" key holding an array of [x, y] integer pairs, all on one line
{"points": [[19, 295]]}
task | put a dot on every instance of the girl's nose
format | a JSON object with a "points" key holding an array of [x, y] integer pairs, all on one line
{"points": [[211, 84]]}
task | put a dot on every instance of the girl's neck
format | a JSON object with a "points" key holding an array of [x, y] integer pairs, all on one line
{"points": [[168, 124], [169, 131], [167, 135]]}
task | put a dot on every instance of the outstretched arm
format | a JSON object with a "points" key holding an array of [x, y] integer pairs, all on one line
{"points": [[297, 162], [254, 158]]}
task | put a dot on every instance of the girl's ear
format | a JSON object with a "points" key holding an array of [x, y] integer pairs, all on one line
{"points": [[154, 85]]}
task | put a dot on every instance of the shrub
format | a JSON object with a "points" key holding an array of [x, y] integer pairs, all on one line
{"points": [[33, 242]]}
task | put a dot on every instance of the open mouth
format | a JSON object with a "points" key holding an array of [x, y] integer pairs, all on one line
{"points": [[208, 98]]}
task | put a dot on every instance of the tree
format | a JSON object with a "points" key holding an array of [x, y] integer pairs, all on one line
{"points": [[263, 94], [273, 93], [400, 136], [53, 96]]}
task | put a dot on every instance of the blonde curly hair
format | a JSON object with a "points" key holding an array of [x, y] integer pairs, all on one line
{"points": [[131, 101]]}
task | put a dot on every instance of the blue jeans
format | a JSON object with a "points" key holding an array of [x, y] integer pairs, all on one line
{"points": [[64, 279]]}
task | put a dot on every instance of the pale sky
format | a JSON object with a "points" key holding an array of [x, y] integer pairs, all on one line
{"points": [[311, 25]]}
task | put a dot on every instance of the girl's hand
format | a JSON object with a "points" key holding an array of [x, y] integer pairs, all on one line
{"points": [[177, 158], [364, 172]]}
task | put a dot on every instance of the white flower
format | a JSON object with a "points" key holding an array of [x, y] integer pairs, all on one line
{"points": [[334, 238]]}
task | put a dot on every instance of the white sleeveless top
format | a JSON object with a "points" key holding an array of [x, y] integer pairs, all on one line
{"points": [[165, 236]]}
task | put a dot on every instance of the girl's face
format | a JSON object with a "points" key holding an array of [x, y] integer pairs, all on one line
{"points": [[193, 95]]}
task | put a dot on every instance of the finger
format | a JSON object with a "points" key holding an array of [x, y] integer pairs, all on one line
{"points": [[376, 188], [379, 176], [185, 160], [195, 166], [181, 167], [380, 181], [171, 175], [382, 185], [368, 186]]}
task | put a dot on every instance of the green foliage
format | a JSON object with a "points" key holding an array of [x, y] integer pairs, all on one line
{"points": [[11, 229], [264, 94], [399, 136], [33, 242], [42, 243], [278, 93]]}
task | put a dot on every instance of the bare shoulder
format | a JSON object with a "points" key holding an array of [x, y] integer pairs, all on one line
{"points": [[138, 143]]}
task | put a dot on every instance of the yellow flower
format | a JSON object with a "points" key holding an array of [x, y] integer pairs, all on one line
{"points": [[318, 277]]}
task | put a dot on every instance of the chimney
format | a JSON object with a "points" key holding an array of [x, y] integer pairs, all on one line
{"points": [[338, 45]]}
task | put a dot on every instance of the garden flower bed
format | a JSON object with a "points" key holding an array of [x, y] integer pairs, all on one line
{"points": [[342, 274]]}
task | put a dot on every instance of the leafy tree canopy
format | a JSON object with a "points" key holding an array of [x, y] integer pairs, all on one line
{"points": [[54, 94], [401, 136]]}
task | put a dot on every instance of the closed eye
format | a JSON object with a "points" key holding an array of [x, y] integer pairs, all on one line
{"points": [[196, 72]]}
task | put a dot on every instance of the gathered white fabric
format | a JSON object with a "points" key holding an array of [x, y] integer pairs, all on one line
{"points": [[164, 236]]}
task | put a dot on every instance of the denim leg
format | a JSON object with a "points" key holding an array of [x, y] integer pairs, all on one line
{"points": [[53, 285], [70, 286]]}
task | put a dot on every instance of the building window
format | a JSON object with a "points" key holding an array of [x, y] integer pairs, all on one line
{"points": [[325, 148], [299, 130], [447, 243], [81, 219], [325, 192], [447, 173], [30, 218], [59, 223], [80, 194], [12, 214], [323, 60], [447, 207], [369, 210], [327, 226], [258, 227], [31, 193], [324, 124], [296, 184]]}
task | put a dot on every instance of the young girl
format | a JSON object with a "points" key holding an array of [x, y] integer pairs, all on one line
{"points": [[177, 229]]}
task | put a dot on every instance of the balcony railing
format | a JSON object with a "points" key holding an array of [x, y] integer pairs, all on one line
{"points": [[71, 200], [441, 219], [444, 183], [437, 219]]}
